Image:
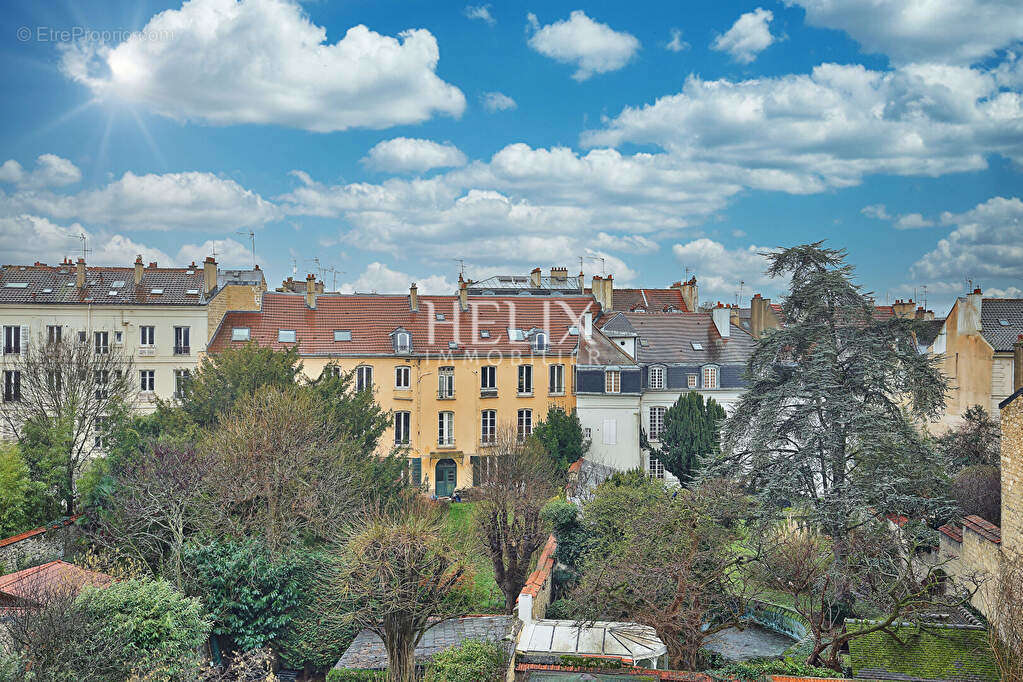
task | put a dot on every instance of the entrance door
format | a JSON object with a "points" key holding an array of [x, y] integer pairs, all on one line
{"points": [[446, 477]]}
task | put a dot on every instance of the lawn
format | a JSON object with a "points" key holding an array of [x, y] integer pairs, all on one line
{"points": [[459, 524]]}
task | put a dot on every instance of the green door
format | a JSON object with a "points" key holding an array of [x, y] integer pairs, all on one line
{"points": [[446, 473]]}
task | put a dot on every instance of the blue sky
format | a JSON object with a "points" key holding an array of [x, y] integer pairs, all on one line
{"points": [[388, 139]]}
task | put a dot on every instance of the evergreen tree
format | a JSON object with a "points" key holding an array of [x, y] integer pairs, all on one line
{"points": [[691, 433], [561, 435]]}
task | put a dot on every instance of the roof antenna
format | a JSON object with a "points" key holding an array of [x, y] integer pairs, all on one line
{"points": [[85, 249], [252, 240], [603, 271], [461, 266], [924, 289], [738, 296]]}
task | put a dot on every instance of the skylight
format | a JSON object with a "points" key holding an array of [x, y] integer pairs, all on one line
{"points": [[112, 292], [484, 333], [47, 291], [516, 334], [286, 335], [1004, 323], [118, 284], [452, 345], [573, 330], [342, 335], [156, 291], [440, 317], [696, 345], [240, 334], [17, 285], [192, 292]]}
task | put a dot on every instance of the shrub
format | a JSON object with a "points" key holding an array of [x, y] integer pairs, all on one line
{"points": [[760, 669], [562, 609], [355, 675], [473, 660]]}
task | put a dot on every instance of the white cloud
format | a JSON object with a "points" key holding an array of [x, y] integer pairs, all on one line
{"points": [[497, 101], [263, 61], [591, 46], [877, 211], [630, 243], [27, 238], [829, 128], [50, 171], [377, 277], [749, 36], [191, 200], [987, 242], [405, 154], [912, 221], [229, 253], [719, 269], [481, 12], [676, 44], [1007, 292], [948, 31]]}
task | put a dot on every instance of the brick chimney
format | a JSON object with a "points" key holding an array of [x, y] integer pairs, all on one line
{"points": [[80, 273], [603, 291], [463, 297], [733, 316], [922, 314], [690, 293], [413, 298], [310, 290], [138, 269], [904, 309], [721, 317], [1017, 364], [559, 276], [534, 278], [209, 274]]}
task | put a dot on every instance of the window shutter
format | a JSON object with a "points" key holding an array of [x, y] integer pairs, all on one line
{"points": [[417, 470], [475, 461], [24, 338], [610, 432]]}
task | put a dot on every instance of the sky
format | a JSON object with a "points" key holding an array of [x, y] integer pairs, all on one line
{"points": [[376, 143]]}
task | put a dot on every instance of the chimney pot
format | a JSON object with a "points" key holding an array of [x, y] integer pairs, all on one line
{"points": [[310, 290], [977, 290], [413, 297]]}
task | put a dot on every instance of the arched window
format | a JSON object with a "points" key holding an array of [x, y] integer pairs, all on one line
{"points": [[540, 342], [402, 342]]}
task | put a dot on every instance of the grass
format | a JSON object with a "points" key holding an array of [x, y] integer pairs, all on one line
{"points": [[489, 598]]}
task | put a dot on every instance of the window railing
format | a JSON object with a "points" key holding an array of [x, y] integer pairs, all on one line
{"points": [[147, 351], [446, 394], [182, 350], [488, 392], [446, 442]]}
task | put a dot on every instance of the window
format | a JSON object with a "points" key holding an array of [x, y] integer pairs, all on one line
{"points": [[181, 379], [525, 424], [403, 377], [696, 345], [12, 340], [691, 381], [402, 342], [587, 432], [488, 427], [488, 379], [363, 378], [656, 378], [610, 432], [147, 380], [446, 382], [101, 378], [99, 435], [118, 338], [12, 385], [54, 380], [525, 379], [656, 422], [240, 334], [83, 337], [401, 427], [710, 377], [53, 332], [557, 380], [147, 336], [540, 342], [286, 335], [656, 468], [342, 334], [181, 341], [102, 340], [480, 468], [332, 371], [414, 471], [445, 428], [612, 381]]}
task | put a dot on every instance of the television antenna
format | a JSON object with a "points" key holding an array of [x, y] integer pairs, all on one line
{"points": [[461, 266], [603, 270], [923, 288], [294, 266], [85, 246], [252, 241], [738, 295]]}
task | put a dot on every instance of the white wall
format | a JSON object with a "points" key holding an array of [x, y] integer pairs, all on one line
{"points": [[621, 413]]}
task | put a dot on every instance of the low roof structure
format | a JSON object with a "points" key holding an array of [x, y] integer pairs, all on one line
{"points": [[628, 641], [27, 587]]}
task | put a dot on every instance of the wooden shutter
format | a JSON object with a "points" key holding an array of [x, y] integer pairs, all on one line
{"points": [[24, 338]]}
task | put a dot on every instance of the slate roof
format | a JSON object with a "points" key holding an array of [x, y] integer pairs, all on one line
{"points": [[600, 350], [367, 651], [927, 331], [992, 312], [57, 284], [371, 318], [668, 338]]}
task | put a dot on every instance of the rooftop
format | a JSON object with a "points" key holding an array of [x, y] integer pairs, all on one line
{"points": [[42, 284], [1001, 321], [25, 587], [624, 640], [681, 338]]}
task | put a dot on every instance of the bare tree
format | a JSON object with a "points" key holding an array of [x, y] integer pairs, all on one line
{"points": [[399, 576], [64, 390], [1006, 633], [515, 480]]}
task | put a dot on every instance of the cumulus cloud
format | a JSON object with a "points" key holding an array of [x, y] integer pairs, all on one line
{"points": [[630, 243], [229, 253], [497, 101], [676, 44], [406, 154], [480, 12], [912, 221], [50, 171], [191, 200], [377, 277], [719, 269], [749, 36], [591, 46], [263, 61], [876, 211], [28, 238], [947, 31], [987, 242], [832, 126]]}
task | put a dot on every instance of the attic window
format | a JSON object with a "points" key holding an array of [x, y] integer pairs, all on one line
{"points": [[484, 333], [342, 334], [644, 343], [286, 335], [452, 345], [156, 292], [240, 334], [192, 292], [69, 284], [189, 272], [516, 334], [118, 284], [47, 291], [573, 330], [440, 317], [696, 345], [1004, 323], [17, 285], [112, 292]]}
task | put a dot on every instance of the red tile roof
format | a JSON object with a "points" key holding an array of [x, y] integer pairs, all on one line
{"points": [[38, 531], [651, 300], [57, 284], [952, 531], [30, 584], [983, 527], [372, 318]]}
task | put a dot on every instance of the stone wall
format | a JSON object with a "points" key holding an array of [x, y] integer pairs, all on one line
{"points": [[536, 594], [231, 297], [37, 546], [1012, 475]]}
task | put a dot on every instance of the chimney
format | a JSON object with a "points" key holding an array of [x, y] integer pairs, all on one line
{"points": [[587, 330], [80, 273], [138, 269], [922, 314], [310, 290], [721, 316], [968, 319], [690, 293], [209, 274], [757, 306], [603, 291], [734, 315], [1017, 364], [559, 276], [904, 309], [413, 298], [463, 297], [534, 278]]}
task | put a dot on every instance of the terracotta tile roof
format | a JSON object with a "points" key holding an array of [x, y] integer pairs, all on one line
{"points": [[29, 584], [983, 527], [57, 284], [67, 521], [645, 673], [372, 318], [544, 567], [952, 531], [650, 300]]}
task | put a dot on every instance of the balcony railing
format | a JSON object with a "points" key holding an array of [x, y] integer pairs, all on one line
{"points": [[488, 392], [182, 350], [448, 443], [147, 351], [445, 395]]}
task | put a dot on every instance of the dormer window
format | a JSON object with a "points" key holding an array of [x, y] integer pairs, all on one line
{"points": [[655, 378], [540, 342], [710, 377], [402, 342]]}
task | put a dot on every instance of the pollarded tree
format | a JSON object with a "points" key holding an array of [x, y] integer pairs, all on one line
{"points": [[691, 433], [827, 424]]}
